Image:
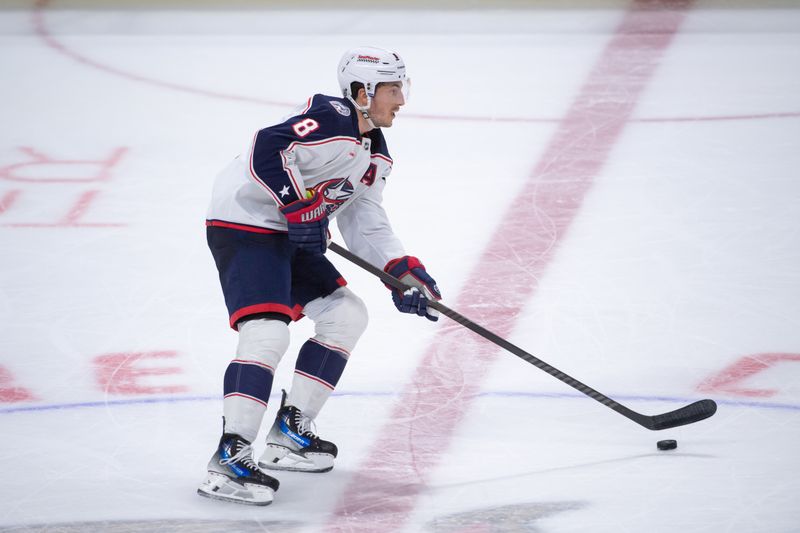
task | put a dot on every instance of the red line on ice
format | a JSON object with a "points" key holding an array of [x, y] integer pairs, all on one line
{"points": [[383, 492], [41, 30]]}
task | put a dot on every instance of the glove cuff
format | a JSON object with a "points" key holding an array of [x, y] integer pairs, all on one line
{"points": [[412, 262], [305, 210]]}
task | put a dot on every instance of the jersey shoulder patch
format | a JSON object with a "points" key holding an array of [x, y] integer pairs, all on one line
{"points": [[340, 108]]}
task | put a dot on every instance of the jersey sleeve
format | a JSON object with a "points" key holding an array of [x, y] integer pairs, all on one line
{"points": [[366, 229], [279, 152]]}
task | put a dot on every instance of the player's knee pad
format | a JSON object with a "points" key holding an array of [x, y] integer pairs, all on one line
{"points": [[339, 319], [263, 340]]}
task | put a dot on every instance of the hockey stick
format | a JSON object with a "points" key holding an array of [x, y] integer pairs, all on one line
{"points": [[694, 412]]}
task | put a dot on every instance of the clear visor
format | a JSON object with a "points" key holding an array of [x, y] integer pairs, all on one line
{"points": [[406, 89]]}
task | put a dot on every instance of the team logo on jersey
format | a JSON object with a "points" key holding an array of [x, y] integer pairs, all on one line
{"points": [[340, 108], [335, 192]]}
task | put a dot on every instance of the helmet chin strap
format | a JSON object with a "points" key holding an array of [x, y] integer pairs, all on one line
{"points": [[363, 110]]}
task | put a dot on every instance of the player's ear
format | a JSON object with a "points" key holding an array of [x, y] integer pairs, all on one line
{"points": [[362, 96]]}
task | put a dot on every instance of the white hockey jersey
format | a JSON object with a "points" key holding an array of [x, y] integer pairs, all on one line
{"points": [[319, 146]]}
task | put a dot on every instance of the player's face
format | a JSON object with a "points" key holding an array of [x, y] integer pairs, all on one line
{"points": [[386, 103]]}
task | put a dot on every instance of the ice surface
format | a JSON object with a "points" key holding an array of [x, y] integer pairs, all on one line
{"points": [[675, 279]]}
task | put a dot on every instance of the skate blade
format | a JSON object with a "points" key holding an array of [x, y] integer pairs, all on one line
{"points": [[277, 457], [220, 487]]}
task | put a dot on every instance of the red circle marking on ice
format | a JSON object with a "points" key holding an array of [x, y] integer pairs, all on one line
{"points": [[40, 29]]}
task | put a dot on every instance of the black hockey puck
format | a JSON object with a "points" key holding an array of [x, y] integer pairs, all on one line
{"points": [[668, 444]]}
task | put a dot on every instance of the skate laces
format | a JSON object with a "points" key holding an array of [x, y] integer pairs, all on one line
{"points": [[244, 455], [305, 426]]}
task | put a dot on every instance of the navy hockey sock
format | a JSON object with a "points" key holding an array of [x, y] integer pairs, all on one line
{"points": [[321, 362], [247, 387]]}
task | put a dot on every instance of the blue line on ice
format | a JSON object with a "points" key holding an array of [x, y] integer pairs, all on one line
{"points": [[367, 394]]}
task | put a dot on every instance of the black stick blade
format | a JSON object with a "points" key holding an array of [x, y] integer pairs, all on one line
{"points": [[690, 414]]}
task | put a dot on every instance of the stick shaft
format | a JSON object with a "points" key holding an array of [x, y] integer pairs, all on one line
{"points": [[685, 415]]}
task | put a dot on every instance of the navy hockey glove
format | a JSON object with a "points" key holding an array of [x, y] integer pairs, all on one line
{"points": [[308, 222], [412, 272]]}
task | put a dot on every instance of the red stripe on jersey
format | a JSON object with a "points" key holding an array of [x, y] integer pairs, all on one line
{"points": [[326, 141], [381, 156], [308, 106], [242, 227], [293, 313]]}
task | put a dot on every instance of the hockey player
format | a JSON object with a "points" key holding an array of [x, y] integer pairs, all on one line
{"points": [[267, 227]]}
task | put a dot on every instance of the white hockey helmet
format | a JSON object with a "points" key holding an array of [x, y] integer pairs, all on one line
{"points": [[370, 66]]}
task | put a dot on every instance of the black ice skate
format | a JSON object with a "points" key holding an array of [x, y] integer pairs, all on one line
{"points": [[234, 476], [293, 445]]}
